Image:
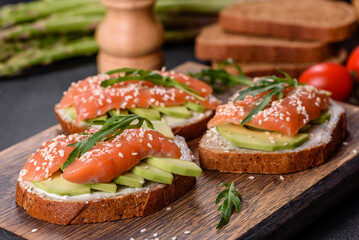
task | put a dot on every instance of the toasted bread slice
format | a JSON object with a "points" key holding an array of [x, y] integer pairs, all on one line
{"points": [[253, 69], [217, 45], [216, 153], [189, 129], [323, 20], [126, 203]]}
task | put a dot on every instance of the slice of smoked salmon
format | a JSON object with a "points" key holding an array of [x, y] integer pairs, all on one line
{"points": [[104, 162], [91, 100], [287, 115], [49, 158]]}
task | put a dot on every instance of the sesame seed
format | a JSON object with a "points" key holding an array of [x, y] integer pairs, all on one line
{"points": [[120, 154], [34, 230], [149, 145], [267, 133], [272, 141], [345, 143], [143, 230], [169, 208], [250, 136], [355, 151], [251, 177], [155, 234], [174, 238], [187, 232], [132, 239], [61, 153], [146, 167], [134, 154], [38, 168], [285, 143], [281, 177]]}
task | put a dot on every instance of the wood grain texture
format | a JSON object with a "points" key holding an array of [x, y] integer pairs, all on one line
{"points": [[272, 208]]}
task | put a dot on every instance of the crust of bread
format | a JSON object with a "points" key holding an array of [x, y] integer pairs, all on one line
{"points": [[213, 43], [189, 131], [253, 69], [273, 163], [194, 130], [102, 210], [271, 22], [69, 127]]}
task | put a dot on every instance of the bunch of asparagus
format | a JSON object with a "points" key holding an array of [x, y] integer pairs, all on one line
{"points": [[44, 31]]}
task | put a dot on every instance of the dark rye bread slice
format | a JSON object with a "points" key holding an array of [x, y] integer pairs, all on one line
{"points": [[100, 206], [293, 69], [217, 154], [131, 205], [323, 20], [217, 45], [189, 131]]}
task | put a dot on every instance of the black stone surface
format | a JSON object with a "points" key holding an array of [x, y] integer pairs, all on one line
{"points": [[26, 108]]}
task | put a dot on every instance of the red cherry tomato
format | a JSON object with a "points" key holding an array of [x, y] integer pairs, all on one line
{"points": [[353, 63], [331, 77]]}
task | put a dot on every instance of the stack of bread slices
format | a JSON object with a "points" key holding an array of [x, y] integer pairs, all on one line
{"points": [[262, 36]]}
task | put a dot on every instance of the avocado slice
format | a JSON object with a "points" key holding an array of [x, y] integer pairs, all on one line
{"points": [[321, 119], [305, 128], [118, 112], [176, 166], [152, 173], [130, 180], [148, 113], [71, 112], [105, 187], [162, 128], [242, 137], [195, 107], [175, 111], [99, 118], [57, 185]]}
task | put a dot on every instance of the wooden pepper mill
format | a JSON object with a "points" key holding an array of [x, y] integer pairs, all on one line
{"points": [[130, 36]]}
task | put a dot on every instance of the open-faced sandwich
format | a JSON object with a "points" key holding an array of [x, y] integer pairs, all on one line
{"points": [[121, 170], [274, 126], [183, 102]]}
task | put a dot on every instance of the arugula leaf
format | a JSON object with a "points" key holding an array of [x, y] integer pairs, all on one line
{"points": [[108, 131], [220, 79], [273, 85], [130, 74], [231, 197]]}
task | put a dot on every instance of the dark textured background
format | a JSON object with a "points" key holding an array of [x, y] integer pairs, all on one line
{"points": [[26, 108]]}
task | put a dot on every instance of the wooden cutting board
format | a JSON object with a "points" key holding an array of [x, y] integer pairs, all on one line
{"points": [[273, 207]]}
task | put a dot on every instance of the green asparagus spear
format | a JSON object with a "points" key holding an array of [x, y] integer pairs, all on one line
{"points": [[190, 6], [25, 12], [77, 24], [94, 9], [175, 36], [31, 57]]}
